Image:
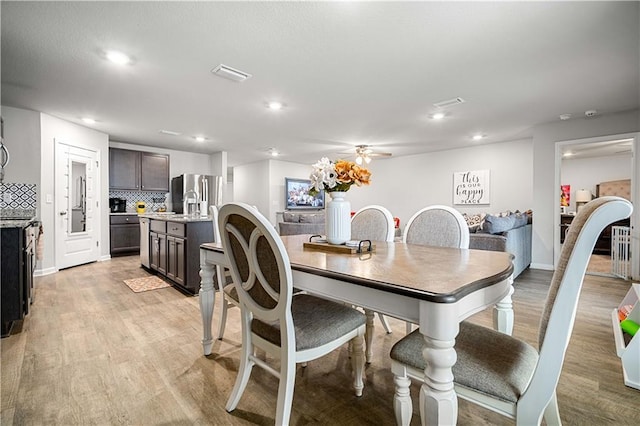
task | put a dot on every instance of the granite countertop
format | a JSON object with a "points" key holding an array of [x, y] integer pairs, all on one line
{"points": [[16, 223], [174, 217]]}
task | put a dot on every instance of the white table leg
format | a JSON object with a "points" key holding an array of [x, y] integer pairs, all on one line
{"points": [[368, 335], [503, 313], [207, 299], [357, 363], [438, 400]]}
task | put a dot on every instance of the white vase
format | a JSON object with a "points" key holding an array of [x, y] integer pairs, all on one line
{"points": [[338, 219]]}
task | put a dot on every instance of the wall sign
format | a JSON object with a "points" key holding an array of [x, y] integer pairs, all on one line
{"points": [[471, 188]]}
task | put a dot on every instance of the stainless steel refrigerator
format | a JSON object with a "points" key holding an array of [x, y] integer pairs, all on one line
{"points": [[207, 188]]}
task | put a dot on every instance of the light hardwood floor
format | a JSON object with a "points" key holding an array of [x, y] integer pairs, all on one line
{"points": [[94, 352]]}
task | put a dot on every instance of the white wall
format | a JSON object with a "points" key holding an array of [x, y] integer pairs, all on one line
{"points": [[586, 173], [53, 129], [545, 192], [406, 184], [251, 185]]}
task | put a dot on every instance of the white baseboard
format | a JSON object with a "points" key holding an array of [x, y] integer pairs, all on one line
{"points": [[542, 266], [105, 257], [43, 272]]}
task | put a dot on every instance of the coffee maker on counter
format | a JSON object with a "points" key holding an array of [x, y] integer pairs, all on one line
{"points": [[117, 205]]}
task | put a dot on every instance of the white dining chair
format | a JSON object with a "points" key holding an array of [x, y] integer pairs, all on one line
{"points": [[506, 374], [228, 292], [436, 225], [440, 226], [295, 329], [373, 223]]}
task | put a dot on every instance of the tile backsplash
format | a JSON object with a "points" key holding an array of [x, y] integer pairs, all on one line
{"points": [[17, 199], [152, 199]]}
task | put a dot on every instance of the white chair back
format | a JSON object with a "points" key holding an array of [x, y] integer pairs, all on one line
{"points": [[373, 223], [440, 226]]}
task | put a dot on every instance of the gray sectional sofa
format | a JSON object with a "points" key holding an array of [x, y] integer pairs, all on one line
{"points": [[301, 223], [512, 235]]}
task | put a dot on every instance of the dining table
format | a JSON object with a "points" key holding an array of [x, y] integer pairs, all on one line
{"points": [[434, 287]]}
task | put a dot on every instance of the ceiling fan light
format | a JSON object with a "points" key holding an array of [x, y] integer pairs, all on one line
{"points": [[367, 159], [359, 160]]}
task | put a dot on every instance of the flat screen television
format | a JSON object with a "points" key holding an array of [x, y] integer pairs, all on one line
{"points": [[296, 193]]}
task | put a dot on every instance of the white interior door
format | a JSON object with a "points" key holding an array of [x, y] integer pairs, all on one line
{"points": [[76, 221]]}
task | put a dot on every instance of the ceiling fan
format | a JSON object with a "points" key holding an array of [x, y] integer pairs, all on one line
{"points": [[364, 153]]}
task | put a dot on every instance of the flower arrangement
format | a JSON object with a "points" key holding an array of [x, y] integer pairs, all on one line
{"points": [[337, 176]]}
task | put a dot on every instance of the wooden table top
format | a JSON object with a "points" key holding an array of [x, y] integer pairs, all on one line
{"points": [[436, 274]]}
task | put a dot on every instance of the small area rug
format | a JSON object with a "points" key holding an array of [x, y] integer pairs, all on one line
{"points": [[139, 285]]}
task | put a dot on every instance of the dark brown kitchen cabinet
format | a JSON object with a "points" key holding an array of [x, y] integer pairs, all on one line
{"points": [[176, 259], [124, 169], [154, 172], [124, 233], [16, 270], [138, 170], [175, 250], [158, 252]]}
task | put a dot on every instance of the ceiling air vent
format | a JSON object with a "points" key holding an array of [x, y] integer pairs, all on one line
{"points": [[229, 73], [448, 103]]}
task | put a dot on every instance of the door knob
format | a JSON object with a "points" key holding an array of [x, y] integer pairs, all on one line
{"points": [[63, 213]]}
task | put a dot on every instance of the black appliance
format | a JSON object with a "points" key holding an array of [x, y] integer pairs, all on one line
{"points": [[118, 205]]}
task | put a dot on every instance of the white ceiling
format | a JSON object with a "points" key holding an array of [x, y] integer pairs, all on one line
{"points": [[349, 73]]}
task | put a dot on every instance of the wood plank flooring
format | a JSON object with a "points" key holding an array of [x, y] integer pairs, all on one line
{"points": [[93, 352]]}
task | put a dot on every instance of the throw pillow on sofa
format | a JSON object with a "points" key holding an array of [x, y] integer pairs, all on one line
{"points": [[311, 218], [291, 217], [474, 221], [497, 224]]}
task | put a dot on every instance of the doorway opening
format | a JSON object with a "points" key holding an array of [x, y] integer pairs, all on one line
{"points": [[593, 167]]}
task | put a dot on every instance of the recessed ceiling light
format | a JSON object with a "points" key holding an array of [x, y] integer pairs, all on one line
{"points": [[567, 154], [118, 57], [89, 120], [477, 137], [565, 117], [273, 152], [438, 116], [170, 132], [200, 138], [275, 105]]}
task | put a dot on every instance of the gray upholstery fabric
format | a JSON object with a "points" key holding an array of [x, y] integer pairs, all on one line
{"points": [[312, 218], [317, 321], [434, 228], [370, 224], [488, 361], [266, 261], [515, 241], [569, 242], [295, 228]]}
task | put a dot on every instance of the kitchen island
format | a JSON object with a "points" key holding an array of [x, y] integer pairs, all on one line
{"points": [[174, 247]]}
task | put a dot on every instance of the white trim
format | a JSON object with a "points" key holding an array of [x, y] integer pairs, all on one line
{"points": [[104, 258], [543, 266], [43, 272]]}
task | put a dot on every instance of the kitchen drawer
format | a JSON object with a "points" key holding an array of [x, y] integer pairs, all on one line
{"points": [[176, 229], [158, 226], [124, 219]]}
